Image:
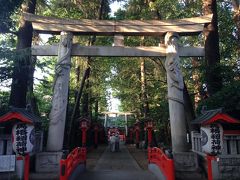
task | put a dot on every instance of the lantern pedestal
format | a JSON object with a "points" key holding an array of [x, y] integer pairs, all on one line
{"points": [[130, 135], [149, 132], [137, 133], [20, 166], [149, 125], [185, 161]]}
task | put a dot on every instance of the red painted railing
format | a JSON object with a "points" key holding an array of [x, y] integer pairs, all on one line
{"points": [[166, 165], [67, 166]]}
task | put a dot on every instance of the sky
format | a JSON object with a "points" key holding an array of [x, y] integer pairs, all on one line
{"points": [[115, 6]]}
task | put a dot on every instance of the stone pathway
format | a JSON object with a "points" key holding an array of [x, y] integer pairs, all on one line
{"points": [[117, 166]]}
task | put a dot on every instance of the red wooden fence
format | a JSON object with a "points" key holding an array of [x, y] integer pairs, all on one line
{"points": [[67, 166], [166, 165]]}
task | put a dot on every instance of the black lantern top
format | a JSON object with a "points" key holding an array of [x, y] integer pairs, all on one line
{"points": [[84, 122], [148, 123]]}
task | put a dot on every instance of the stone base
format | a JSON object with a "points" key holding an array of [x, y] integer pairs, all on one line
{"points": [[185, 161], [48, 162]]}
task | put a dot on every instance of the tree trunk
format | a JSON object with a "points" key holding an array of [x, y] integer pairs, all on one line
{"points": [[212, 55], [189, 110], [22, 67], [143, 89], [77, 111], [72, 128], [96, 109], [85, 103]]}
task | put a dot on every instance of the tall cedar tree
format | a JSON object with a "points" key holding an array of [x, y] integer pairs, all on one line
{"points": [[212, 55], [22, 68]]}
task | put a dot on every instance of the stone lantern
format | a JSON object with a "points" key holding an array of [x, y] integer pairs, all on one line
{"points": [[84, 125], [217, 139], [19, 135], [149, 127], [137, 132]]}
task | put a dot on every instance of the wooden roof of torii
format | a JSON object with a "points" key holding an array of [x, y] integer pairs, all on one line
{"points": [[185, 27]]}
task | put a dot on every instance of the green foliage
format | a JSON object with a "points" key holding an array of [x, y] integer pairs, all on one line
{"points": [[228, 98], [7, 8], [4, 96], [7, 57]]}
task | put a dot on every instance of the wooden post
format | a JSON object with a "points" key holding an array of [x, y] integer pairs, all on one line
{"points": [[26, 166], [84, 137], [149, 131], [175, 94], [60, 94]]}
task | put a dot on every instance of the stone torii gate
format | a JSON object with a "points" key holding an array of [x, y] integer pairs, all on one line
{"points": [[126, 114], [171, 29]]}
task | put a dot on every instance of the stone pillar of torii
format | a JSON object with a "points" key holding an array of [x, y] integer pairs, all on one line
{"points": [[60, 94], [175, 94]]}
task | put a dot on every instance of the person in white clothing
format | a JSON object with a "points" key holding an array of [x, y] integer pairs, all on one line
{"points": [[117, 139], [112, 142]]}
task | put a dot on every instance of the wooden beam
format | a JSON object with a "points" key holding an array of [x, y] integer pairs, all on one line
{"points": [[117, 51], [51, 20], [187, 26]]}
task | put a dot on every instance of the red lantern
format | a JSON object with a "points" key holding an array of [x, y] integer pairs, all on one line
{"points": [[137, 131], [84, 125], [149, 127], [131, 134]]}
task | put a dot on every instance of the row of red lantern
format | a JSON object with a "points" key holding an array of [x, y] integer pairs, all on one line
{"points": [[148, 125], [85, 125]]}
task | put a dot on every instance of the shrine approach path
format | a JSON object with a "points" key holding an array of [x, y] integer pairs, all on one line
{"points": [[117, 166]]}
